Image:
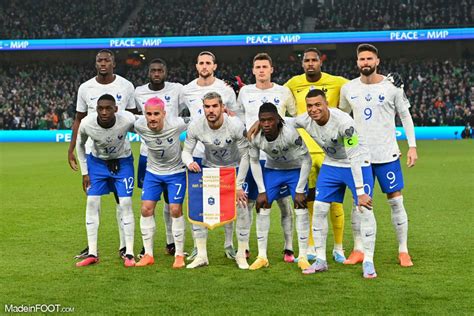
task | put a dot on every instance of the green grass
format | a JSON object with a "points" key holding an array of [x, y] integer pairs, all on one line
{"points": [[42, 228]]}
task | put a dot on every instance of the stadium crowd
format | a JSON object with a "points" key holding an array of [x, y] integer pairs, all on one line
{"points": [[61, 19], [390, 14], [441, 92]]}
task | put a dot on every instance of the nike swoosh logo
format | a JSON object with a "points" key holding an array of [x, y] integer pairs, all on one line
{"points": [[195, 230], [94, 98], [303, 238], [89, 223], [401, 223], [338, 215], [392, 186], [179, 235], [352, 98], [243, 234], [128, 192], [251, 101], [259, 238], [299, 90], [192, 100], [126, 223], [368, 235], [177, 198]]}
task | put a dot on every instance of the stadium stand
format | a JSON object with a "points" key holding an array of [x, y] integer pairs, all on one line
{"points": [[61, 18], [43, 96]]}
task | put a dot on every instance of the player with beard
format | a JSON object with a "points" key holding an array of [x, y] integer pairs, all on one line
{"points": [[191, 97], [169, 92], [225, 145], [105, 82], [374, 102]]}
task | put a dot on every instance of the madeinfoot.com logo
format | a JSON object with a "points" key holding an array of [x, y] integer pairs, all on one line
{"points": [[38, 308]]}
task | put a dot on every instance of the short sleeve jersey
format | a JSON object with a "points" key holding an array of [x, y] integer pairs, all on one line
{"points": [[374, 107], [107, 143], [223, 146], [285, 152], [164, 148], [338, 138], [90, 91]]}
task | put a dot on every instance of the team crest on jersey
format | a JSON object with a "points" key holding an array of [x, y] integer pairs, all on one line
{"points": [[217, 142], [170, 140], [274, 151], [276, 100], [324, 89], [299, 141], [368, 97], [381, 98], [350, 131], [264, 100], [334, 140], [108, 139], [119, 97], [158, 141], [285, 149], [228, 141], [167, 98], [120, 137]]}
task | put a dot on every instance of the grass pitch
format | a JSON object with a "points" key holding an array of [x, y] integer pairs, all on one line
{"points": [[42, 228]]}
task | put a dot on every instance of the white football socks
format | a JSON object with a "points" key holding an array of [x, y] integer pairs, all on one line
{"points": [[263, 226], [128, 222], [302, 229], [356, 221], [400, 222], [118, 213], [242, 230], [178, 227], [92, 223], [168, 224], [286, 221], [148, 228], [320, 228], [368, 230]]}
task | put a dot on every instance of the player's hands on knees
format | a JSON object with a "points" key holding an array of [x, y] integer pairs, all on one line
{"points": [[300, 200], [262, 201], [72, 160], [194, 167], [241, 198], [253, 130], [364, 201], [86, 183], [412, 157]]}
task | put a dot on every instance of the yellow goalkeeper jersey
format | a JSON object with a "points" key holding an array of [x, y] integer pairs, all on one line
{"points": [[300, 86]]}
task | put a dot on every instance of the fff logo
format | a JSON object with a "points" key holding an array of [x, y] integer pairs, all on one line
{"points": [[211, 201]]}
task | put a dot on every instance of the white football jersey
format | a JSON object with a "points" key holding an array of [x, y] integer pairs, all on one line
{"points": [[164, 148], [374, 107], [251, 98], [338, 138], [90, 91], [170, 94], [107, 143], [223, 147], [285, 152], [191, 97]]}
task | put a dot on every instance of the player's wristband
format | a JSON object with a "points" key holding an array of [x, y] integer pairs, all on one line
{"points": [[360, 191]]}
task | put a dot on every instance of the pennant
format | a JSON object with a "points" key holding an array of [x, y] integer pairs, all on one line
{"points": [[212, 196]]}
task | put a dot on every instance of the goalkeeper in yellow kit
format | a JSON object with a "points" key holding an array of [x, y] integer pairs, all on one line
{"points": [[299, 85]]}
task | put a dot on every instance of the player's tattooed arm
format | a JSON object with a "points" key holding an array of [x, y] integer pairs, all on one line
{"points": [[396, 79]]}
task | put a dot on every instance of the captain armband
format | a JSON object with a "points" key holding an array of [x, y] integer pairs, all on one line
{"points": [[351, 141]]}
